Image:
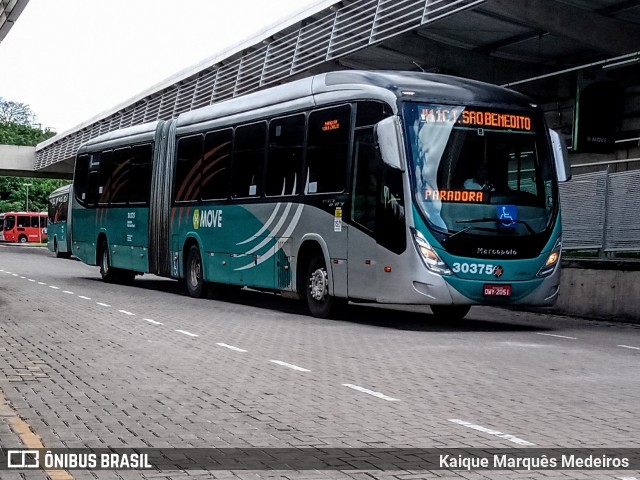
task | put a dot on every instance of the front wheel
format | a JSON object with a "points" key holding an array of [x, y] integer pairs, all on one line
{"points": [[450, 312], [22, 239], [194, 273], [320, 303]]}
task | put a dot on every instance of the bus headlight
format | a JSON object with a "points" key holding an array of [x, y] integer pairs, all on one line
{"points": [[429, 256], [552, 260]]}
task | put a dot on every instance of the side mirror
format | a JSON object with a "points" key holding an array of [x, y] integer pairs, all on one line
{"points": [[561, 156], [388, 134]]}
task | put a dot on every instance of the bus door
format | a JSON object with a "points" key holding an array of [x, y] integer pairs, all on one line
{"points": [[362, 268], [378, 215]]}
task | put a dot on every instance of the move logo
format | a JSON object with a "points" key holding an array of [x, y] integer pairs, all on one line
{"points": [[207, 218]]}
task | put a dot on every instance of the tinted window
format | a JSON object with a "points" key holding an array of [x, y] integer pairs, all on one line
{"points": [[365, 191], [80, 177], [188, 168], [23, 221], [139, 190], [328, 149], [247, 160], [370, 113], [105, 183], [217, 165], [284, 159], [120, 179]]}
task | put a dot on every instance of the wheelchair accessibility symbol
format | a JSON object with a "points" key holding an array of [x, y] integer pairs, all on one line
{"points": [[508, 215]]}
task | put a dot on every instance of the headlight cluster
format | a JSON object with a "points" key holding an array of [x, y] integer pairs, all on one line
{"points": [[431, 259], [552, 260]]}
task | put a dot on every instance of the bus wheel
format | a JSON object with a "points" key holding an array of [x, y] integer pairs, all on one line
{"points": [[318, 299], [22, 239], [450, 312], [194, 274], [107, 272]]}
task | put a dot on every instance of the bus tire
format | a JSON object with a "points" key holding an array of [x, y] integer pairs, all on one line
{"points": [[22, 239], [450, 312], [194, 274], [320, 303], [107, 272]]}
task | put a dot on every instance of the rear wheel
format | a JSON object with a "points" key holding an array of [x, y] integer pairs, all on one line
{"points": [[194, 273], [107, 272], [450, 312], [320, 303]]}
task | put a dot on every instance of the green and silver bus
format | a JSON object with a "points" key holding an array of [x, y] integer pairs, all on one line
{"points": [[59, 233], [391, 187]]}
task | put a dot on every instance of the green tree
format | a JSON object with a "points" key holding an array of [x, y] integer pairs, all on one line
{"points": [[16, 128], [13, 193]]}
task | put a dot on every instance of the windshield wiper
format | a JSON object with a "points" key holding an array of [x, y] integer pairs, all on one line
{"points": [[496, 220], [466, 229]]}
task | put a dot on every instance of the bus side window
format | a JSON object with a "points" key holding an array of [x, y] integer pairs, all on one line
{"points": [[80, 178], [284, 159], [139, 190], [248, 159], [105, 182], [217, 165], [328, 149], [120, 176], [189, 168]]}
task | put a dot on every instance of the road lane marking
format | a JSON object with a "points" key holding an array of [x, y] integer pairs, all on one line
{"points": [[290, 365], [54, 287], [103, 304], [15, 274], [30, 280], [67, 291], [152, 321], [126, 313], [41, 283], [496, 433], [371, 392], [629, 346], [83, 297], [231, 347], [557, 336], [627, 478], [187, 333], [22, 277]]}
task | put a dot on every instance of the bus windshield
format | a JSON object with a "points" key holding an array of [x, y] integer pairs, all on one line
{"points": [[9, 222], [479, 170]]}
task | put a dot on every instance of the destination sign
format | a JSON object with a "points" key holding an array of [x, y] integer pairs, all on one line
{"points": [[463, 196], [475, 118]]}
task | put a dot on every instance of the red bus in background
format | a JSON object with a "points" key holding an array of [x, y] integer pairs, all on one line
{"points": [[25, 227]]}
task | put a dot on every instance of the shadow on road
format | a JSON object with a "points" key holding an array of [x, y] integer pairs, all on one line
{"points": [[407, 318]]}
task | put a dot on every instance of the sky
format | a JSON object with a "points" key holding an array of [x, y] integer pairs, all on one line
{"points": [[70, 60]]}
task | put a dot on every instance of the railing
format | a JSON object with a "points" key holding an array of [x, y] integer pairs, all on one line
{"points": [[600, 211]]}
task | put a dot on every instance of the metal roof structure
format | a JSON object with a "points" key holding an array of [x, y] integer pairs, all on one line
{"points": [[534, 46], [10, 10]]}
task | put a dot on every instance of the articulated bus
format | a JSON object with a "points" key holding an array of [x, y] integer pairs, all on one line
{"points": [[25, 227], [59, 235], [391, 187]]}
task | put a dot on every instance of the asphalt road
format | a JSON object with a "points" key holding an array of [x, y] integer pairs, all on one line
{"points": [[89, 364]]}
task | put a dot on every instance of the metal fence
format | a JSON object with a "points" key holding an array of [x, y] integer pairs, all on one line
{"points": [[601, 211]]}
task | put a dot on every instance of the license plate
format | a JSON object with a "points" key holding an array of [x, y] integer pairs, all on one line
{"points": [[497, 290]]}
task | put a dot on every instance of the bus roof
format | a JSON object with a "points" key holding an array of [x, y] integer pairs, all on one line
{"points": [[60, 191], [145, 132], [389, 86]]}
